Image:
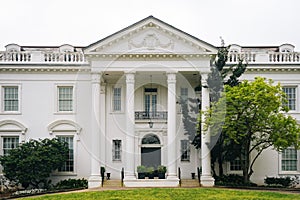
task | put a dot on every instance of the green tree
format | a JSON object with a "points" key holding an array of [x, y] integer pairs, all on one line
{"points": [[255, 120], [219, 76], [32, 162]]}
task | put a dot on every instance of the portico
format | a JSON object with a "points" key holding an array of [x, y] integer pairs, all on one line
{"points": [[127, 59]]}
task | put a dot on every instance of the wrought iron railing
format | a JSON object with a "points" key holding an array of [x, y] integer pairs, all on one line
{"points": [[140, 115]]}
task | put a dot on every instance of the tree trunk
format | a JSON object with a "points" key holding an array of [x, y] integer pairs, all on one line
{"points": [[220, 161]]}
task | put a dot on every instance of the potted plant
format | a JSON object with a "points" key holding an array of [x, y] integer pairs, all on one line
{"points": [[141, 169], [150, 172], [161, 169]]}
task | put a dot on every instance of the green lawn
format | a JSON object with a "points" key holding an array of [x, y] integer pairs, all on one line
{"points": [[171, 193]]}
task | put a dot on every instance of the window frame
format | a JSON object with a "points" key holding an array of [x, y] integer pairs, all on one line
{"points": [[296, 97], [184, 150], [73, 134], [114, 159], [284, 172], [73, 153], [113, 98], [3, 111], [57, 105]]}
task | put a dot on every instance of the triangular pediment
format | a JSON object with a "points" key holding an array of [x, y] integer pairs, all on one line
{"points": [[150, 35]]}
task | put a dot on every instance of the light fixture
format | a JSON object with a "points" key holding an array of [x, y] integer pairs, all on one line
{"points": [[150, 123]]}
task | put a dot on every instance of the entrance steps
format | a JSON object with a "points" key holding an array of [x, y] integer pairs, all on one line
{"points": [[189, 183], [112, 184]]}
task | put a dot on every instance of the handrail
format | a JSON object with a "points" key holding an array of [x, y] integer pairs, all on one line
{"points": [[140, 115], [179, 176], [122, 177]]}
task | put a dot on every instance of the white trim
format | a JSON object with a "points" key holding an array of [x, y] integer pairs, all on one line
{"points": [[56, 100], [19, 85], [112, 98], [281, 172]]}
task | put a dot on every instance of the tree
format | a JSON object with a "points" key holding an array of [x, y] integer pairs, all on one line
{"points": [[217, 78], [255, 120], [32, 162]]}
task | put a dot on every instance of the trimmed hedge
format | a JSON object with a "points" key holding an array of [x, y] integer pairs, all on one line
{"points": [[71, 184]]}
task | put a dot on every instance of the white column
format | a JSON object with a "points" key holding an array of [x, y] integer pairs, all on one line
{"points": [[130, 123], [95, 178], [171, 148], [206, 178], [102, 122]]}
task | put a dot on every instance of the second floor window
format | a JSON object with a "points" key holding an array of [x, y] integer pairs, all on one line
{"points": [[291, 97], [150, 101], [117, 99], [65, 98], [11, 98]]}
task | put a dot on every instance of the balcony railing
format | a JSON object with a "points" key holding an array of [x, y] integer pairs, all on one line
{"points": [[270, 57], [41, 57], [140, 115]]}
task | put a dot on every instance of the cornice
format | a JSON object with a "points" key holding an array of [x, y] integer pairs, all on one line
{"points": [[148, 55], [27, 69]]}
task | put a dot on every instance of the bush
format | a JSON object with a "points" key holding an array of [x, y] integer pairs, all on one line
{"points": [[162, 169], [232, 180], [281, 181], [71, 184], [141, 169], [32, 162]]}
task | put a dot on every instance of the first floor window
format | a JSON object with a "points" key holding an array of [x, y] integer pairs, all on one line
{"points": [[65, 98], [117, 99], [289, 160], [235, 165], [117, 150], [11, 98], [185, 150], [291, 97], [69, 164], [9, 143]]}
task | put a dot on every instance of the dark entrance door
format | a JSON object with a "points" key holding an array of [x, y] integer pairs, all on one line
{"points": [[151, 157]]}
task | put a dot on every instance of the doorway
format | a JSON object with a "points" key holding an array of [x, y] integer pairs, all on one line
{"points": [[151, 151]]}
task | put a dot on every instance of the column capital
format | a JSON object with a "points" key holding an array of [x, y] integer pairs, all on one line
{"points": [[97, 77], [171, 77], [204, 79], [130, 77]]}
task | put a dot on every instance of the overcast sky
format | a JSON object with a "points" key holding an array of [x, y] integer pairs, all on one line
{"points": [[82, 22]]}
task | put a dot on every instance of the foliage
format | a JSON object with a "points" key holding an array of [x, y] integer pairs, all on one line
{"points": [[255, 120], [71, 184], [231, 180], [150, 170], [280, 181], [141, 169], [162, 169], [170, 194], [32, 162]]}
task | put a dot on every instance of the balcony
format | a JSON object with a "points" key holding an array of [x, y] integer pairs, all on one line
{"points": [[24, 57], [265, 58], [142, 115]]}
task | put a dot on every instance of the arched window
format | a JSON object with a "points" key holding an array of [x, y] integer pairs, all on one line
{"points": [[12, 133], [66, 131], [150, 139]]}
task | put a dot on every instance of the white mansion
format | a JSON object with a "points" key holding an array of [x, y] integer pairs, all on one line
{"points": [[116, 102]]}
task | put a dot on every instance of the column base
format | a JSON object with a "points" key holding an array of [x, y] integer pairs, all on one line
{"points": [[129, 177], [207, 181], [94, 181]]}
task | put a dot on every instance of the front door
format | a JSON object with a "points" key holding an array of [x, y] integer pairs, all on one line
{"points": [[151, 156]]}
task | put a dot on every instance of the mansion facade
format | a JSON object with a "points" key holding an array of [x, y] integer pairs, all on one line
{"points": [[117, 102]]}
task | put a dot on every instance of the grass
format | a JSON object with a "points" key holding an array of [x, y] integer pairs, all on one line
{"points": [[170, 194]]}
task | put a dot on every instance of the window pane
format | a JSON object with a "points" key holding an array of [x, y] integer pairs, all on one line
{"points": [[291, 97], [65, 98], [117, 99], [235, 165], [69, 164], [117, 149], [11, 99], [289, 160], [9, 143], [184, 94], [185, 150]]}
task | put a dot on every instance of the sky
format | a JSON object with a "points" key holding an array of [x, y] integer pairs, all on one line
{"points": [[82, 22]]}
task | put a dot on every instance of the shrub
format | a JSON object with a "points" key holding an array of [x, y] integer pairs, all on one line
{"points": [[162, 169], [281, 181], [32, 162], [141, 169], [71, 184], [232, 180]]}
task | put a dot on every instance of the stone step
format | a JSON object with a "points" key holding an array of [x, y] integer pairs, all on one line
{"points": [[189, 183], [112, 183]]}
